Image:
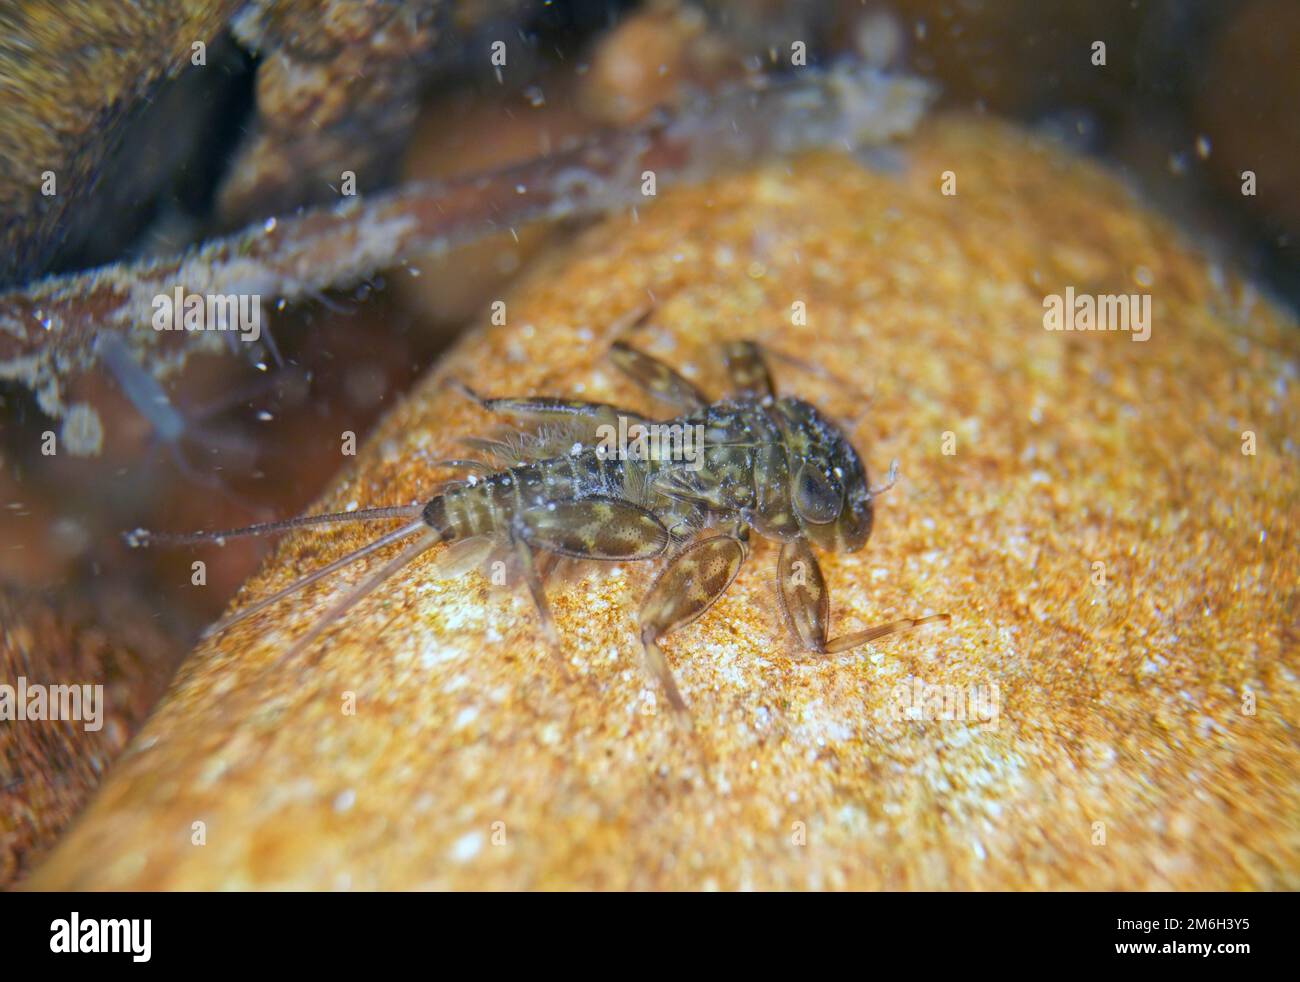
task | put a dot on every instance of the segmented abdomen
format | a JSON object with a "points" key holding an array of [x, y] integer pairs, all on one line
{"points": [[741, 465]]}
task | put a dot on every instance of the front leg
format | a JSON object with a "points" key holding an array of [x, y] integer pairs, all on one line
{"points": [[534, 579], [690, 585], [748, 370], [805, 602], [559, 424], [656, 378], [547, 409]]}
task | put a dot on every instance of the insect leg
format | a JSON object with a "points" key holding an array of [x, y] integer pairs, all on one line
{"points": [[748, 370], [656, 377], [589, 528], [533, 577], [462, 556], [594, 528], [546, 409], [847, 388], [805, 602], [689, 586]]}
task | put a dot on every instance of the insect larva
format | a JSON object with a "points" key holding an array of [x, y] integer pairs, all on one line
{"points": [[771, 465]]}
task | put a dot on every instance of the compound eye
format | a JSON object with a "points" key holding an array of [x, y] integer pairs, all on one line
{"points": [[815, 499]]}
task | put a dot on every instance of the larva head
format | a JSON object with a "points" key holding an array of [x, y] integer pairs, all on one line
{"points": [[829, 493]]}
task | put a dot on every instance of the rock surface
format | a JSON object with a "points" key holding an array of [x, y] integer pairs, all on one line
{"points": [[1145, 732], [49, 768]]}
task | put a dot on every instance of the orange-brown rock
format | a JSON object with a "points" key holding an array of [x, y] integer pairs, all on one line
{"points": [[1145, 728], [72, 72], [49, 768]]}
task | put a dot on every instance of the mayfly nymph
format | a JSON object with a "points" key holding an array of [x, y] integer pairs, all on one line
{"points": [[771, 465]]}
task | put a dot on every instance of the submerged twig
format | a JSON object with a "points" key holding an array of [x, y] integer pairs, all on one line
{"points": [[48, 330]]}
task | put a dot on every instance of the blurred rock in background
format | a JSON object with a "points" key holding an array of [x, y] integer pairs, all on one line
{"points": [[153, 153]]}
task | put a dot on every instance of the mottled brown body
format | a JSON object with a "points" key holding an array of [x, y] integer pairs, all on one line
{"points": [[775, 466], [743, 474]]}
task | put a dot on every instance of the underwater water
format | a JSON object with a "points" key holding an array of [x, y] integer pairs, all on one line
{"points": [[755, 446]]}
